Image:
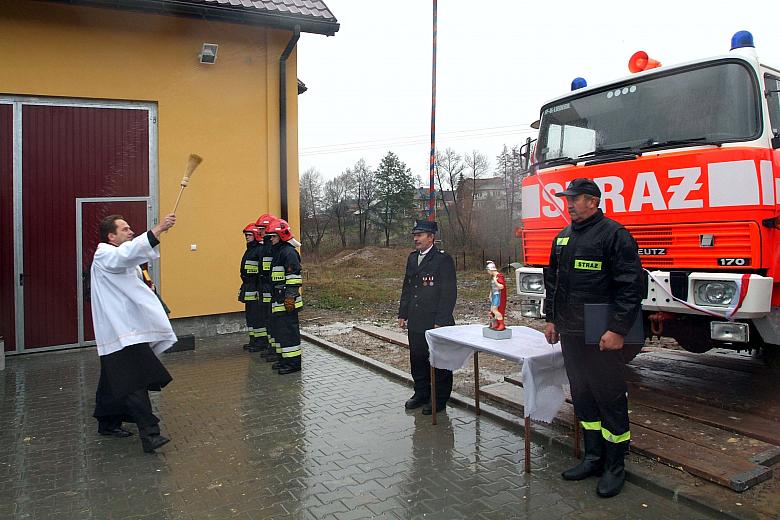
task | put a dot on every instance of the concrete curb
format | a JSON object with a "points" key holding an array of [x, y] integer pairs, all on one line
{"points": [[545, 435]]}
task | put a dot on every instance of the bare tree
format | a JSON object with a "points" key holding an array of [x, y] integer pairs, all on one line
{"points": [[314, 221], [364, 191], [336, 199], [449, 172], [477, 165]]}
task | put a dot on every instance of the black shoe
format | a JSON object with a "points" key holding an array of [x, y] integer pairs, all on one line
{"points": [[593, 461], [245, 346], [153, 442], [611, 482], [277, 365], [415, 402], [115, 432], [428, 409], [288, 370]]}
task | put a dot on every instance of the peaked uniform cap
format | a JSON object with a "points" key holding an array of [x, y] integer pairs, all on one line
{"points": [[425, 226]]}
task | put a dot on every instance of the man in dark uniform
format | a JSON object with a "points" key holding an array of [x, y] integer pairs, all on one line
{"points": [[594, 260], [286, 300], [264, 222], [427, 301], [249, 293]]}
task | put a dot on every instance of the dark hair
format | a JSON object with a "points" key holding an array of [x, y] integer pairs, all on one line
{"points": [[108, 225]]}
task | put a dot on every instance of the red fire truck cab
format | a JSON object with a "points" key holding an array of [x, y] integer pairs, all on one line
{"points": [[688, 160]]}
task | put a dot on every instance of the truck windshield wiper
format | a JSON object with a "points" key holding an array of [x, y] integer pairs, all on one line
{"points": [[601, 152], [694, 141], [555, 161]]}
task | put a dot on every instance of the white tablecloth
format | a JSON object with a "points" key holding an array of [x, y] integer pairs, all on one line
{"points": [[543, 372]]}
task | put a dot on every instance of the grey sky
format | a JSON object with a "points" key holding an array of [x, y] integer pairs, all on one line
{"points": [[498, 62]]}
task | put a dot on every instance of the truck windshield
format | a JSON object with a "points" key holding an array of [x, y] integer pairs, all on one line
{"points": [[706, 105]]}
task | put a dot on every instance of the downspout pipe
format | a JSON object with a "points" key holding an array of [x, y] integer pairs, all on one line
{"points": [[283, 120]]}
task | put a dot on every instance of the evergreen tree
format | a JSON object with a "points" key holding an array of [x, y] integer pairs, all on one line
{"points": [[395, 187]]}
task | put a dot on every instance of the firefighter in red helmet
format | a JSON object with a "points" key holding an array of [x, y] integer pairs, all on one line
{"points": [[264, 222], [286, 300], [249, 293]]}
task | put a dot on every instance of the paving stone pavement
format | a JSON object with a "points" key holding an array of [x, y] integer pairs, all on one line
{"points": [[332, 442]]}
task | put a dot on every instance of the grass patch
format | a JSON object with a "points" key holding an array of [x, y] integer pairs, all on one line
{"points": [[367, 282]]}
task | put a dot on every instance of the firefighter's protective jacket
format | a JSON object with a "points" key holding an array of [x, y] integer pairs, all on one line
{"points": [[593, 261], [266, 259], [250, 273], [285, 279]]}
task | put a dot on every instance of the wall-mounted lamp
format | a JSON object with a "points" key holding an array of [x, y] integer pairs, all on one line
{"points": [[209, 53]]}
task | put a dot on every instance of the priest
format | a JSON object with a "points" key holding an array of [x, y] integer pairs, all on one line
{"points": [[131, 330]]}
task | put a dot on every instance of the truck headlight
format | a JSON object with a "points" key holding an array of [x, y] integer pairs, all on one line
{"points": [[532, 283], [714, 292]]}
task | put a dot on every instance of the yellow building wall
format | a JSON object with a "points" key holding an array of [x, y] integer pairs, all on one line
{"points": [[227, 112]]}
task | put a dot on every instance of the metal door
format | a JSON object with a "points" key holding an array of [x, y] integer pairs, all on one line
{"points": [[137, 211], [7, 294], [65, 153]]}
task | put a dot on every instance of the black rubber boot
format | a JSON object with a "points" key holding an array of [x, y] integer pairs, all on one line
{"points": [[611, 482], [593, 461]]}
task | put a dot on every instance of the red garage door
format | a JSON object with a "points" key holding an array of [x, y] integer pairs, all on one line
{"points": [[70, 153]]}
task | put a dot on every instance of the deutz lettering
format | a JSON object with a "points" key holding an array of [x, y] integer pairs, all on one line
{"points": [[652, 251]]}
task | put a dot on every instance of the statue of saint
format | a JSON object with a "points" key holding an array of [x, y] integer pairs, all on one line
{"points": [[497, 297]]}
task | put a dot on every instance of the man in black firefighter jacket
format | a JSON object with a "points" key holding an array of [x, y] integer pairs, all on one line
{"points": [[249, 292], [594, 260], [427, 301], [286, 300]]}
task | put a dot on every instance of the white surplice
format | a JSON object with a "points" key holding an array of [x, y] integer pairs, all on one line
{"points": [[124, 310]]}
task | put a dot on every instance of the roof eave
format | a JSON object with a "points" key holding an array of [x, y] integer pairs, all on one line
{"points": [[216, 13]]}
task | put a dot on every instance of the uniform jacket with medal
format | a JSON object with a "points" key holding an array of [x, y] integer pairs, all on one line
{"points": [[593, 261], [429, 291]]}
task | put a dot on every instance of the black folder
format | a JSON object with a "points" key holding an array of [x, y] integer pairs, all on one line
{"points": [[597, 321]]}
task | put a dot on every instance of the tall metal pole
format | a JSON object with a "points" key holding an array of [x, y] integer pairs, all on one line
{"points": [[432, 188]]}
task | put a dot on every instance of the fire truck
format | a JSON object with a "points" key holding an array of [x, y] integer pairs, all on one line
{"points": [[687, 158]]}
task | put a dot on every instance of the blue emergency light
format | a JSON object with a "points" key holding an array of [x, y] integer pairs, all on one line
{"points": [[742, 39], [578, 83]]}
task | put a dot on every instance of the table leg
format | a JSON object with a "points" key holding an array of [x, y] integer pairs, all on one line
{"points": [[476, 381], [528, 444], [433, 395]]}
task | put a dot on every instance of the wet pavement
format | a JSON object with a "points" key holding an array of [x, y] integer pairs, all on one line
{"points": [[332, 442]]}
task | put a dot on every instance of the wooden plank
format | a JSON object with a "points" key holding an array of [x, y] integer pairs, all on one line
{"points": [[716, 439], [747, 424], [396, 338], [696, 432], [721, 468], [735, 363]]}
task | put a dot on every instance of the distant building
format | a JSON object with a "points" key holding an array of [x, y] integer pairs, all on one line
{"points": [[422, 196]]}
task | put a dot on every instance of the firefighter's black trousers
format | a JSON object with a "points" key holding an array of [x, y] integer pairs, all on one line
{"points": [[421, 371], [286, 331], [598, 387], [254, 322]]}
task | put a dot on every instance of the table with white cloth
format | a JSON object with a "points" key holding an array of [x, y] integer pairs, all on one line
{"points": [[543, 372]]}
